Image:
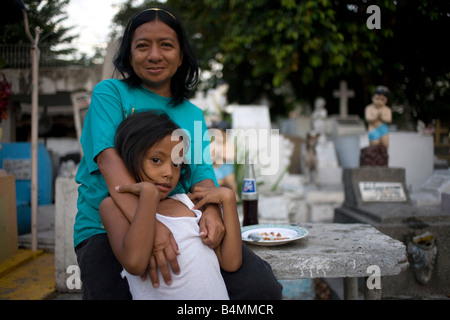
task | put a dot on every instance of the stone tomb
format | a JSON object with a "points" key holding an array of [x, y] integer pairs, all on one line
{"points": [[378, 196]]}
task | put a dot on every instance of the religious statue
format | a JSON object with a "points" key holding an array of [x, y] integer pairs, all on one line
{"points": [[377, 115], [311, 161], [319, 117]]}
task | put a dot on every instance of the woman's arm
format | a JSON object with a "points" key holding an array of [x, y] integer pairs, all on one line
{"points": [[132, 243], [229, 252]]}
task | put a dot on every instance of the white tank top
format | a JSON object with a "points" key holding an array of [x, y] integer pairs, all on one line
{"points": [[199, 278]]}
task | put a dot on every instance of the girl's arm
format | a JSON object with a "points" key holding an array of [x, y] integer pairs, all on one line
{"points": [[211, 225], [132, 243], [115, 173], [229, 252], [165, 247]]}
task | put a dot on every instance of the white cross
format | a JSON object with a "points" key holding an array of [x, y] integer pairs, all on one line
{"points": [[343, 94]]}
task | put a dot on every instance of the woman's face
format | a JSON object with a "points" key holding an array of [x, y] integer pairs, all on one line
{"points": [[156, 56]]}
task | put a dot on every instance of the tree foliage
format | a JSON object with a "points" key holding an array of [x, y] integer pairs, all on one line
{"points": [[293, 50], [48, 16]]}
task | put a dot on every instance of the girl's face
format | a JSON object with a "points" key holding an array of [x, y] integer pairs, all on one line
{"points": [[162, 168], [156, 56]]}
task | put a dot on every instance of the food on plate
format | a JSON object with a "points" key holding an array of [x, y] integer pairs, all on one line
{"points": [[271, 236]]}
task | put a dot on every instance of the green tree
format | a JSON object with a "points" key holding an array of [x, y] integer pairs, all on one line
{"points": [[48, 16], [297, 50]]}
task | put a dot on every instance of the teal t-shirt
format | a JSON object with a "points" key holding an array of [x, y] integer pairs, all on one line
{"points": [[112, 101]]}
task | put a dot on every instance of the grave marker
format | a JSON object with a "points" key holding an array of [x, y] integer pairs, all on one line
{"points": [[378, 196], [343, 94]]}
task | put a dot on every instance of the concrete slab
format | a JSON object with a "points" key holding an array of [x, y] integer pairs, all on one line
{"points": [[34, 280], [333, 250]]}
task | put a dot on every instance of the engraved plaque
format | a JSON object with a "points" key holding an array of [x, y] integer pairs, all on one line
{"points": [[382, 191]]}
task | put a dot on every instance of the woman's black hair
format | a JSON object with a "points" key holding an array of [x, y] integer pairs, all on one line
{"points": [[138, 132], [186, 77]]}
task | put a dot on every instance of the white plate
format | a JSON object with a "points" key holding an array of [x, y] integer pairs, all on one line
{"points": [[275, 234]]}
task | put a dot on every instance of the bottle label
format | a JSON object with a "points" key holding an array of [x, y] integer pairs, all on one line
{"points": [[249, 186]]}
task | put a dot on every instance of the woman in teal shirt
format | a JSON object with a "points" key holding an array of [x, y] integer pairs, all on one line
{"points": [[159, 71]]}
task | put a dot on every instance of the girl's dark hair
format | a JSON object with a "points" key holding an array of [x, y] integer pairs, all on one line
{"points": [[138, 132], [186, 77]]}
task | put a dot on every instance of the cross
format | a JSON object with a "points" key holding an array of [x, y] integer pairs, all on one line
{"points": [[343, 94]]}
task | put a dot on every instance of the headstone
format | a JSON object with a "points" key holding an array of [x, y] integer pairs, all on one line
{"points": [[250, 116], [433, 189], [346, 137], [329, 172], [216, 101], [351, 124], [347, 150], [374, 184], [445, 204], [343, 94], [378, 196], [298, 127], [415, 153]]}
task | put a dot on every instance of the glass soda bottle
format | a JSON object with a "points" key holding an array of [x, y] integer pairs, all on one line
{"points": [[249, 196]]}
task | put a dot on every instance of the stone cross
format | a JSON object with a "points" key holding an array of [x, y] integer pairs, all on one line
{"points": [[343, 94]]}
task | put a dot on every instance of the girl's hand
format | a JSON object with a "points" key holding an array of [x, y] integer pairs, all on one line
{"points": [[137, 188], [211, 195]]}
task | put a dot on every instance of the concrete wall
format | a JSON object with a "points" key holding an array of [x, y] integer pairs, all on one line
{"points": [[52, 80]]}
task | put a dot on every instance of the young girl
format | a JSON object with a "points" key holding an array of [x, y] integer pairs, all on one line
{"points": [[148, 148]]}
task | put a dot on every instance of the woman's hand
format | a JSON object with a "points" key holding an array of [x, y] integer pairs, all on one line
{"points": [[165, 251]]}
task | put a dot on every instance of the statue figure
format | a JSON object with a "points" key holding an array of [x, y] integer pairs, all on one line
{"points": [[311, 161], [377, 115], [318, 117]]}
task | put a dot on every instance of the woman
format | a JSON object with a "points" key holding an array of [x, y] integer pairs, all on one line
{"points": [[159, 72]]}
